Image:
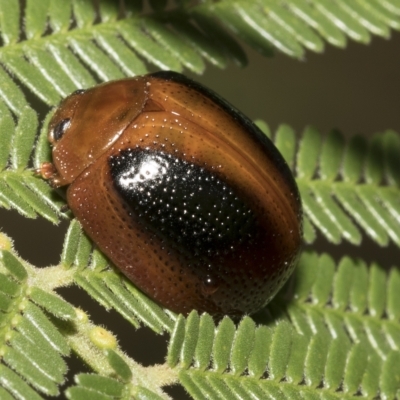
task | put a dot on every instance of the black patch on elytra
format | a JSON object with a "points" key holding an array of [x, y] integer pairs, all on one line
{"points": [[185, 203]]}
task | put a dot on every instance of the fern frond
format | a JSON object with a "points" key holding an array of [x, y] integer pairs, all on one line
{"points": [[334, 333], [348, 187], [294, 25], [351, 299], [31, 345], [93, 274], [65, 58], [342, 337], [252, 361], [92, 386], [95, 386], [39, 328], [20, 189], [52, 57]]}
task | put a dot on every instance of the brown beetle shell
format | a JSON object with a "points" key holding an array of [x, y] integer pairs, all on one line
{"points": [[181, 191]]}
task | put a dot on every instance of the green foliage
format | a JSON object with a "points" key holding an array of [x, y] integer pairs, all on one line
{"points": [[332, 332], [346, 188], [32, 346], [338, 336], [92, 274], [20, 188], [66, 59], [97, 387]]}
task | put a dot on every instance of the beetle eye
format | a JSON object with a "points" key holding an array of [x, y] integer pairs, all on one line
{"points": [[60, 128], [79, 91]]}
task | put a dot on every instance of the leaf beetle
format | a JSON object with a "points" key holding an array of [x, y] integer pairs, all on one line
{"points": [[183, 193]]}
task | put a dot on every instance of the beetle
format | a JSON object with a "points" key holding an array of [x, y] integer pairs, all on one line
{"points": [[182, 192]]}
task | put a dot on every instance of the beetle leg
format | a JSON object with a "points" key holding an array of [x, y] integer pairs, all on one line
{"points": [[48, 172]]}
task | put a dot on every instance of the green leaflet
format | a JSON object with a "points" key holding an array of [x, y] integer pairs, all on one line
{"points": [[324, 346], [39, 328], [120, 367], [338, 336], [94, 275], [184, 37], [20, 188], [53, 304], [31, 344], [347, 189], [92, 386], [353, 291]]}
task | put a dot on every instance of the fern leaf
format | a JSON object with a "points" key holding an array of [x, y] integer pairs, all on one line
{"points": [[62, 83], [93, 274], [178, 47], [7, 127], [71, 65], [35, 19], [23, 139], [319, 21], [121, 385], [95, 386], [264, 30], [95, 59], [59, 15], [126, 59], [109, 11], [83, 12], [97, 45], [230, 48], [34, 79], [338, 336], [10, 21], [52, 304], [20, 189], [99, 42], [92, 386], [243, 28], [204, 343], [346, 188], [11, 94], [12, 386], [361, 296], [281, 362], [343, 20], [40, 328], [292, 364], [293, 25], [196, 39], [32, 347], [340, 340]]}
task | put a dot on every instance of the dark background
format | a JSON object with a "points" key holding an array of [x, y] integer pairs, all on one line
{"points": [[356, 90]]}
